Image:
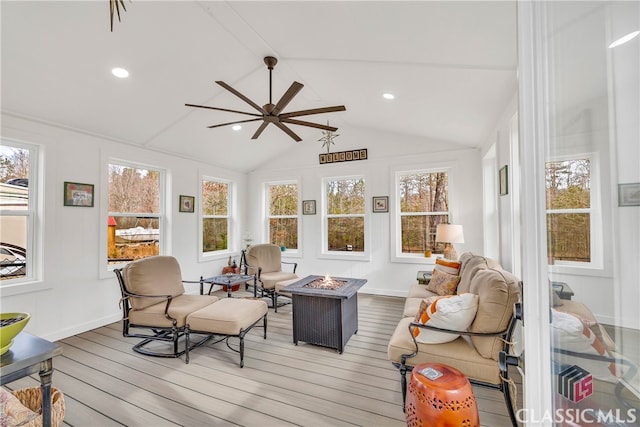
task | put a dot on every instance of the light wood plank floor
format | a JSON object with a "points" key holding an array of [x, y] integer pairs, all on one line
{"points": [[105, 383]]}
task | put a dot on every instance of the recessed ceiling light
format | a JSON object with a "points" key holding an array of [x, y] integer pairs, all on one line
{"points": [[236, 127], [624, 39], [388, 95], [120, 72]]}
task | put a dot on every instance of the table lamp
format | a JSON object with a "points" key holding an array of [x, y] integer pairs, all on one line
{"points": [[449, 234]]}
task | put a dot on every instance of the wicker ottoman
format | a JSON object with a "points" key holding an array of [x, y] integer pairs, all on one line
{"points": [[439, 395], [228, 317]]}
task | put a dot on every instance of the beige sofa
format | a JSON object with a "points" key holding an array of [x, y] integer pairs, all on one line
{"points": [[480, 353]]}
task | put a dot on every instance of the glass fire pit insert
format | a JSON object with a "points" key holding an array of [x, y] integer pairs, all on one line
{"points": [[325, 310]]}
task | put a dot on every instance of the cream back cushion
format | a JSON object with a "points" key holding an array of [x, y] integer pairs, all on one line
{"points": [[156, 275], [265, 255], [498, 291], [470, 265]]}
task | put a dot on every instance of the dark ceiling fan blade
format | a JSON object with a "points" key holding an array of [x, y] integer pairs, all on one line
{"points": [[234, 123], [260, 129], [223, 109], [288, 131], [312, 111], [241, 96], [287, 97], [310, 124]]}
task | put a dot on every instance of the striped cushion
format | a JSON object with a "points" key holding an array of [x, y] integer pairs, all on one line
{"points": [[454, 312], [447, 266]]}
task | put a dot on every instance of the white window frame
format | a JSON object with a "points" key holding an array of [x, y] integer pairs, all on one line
{"points": [[32, 281], [232, 241], [163, 241], [345, 255], [595, 220], [267, 214], [396, 227]]}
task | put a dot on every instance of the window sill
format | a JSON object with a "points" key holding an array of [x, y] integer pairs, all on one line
{"points": [[20, 288], [346, 256], [416, 259]]}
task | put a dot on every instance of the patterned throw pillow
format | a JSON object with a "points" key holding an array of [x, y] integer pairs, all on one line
{"points": [[448, 266], [443, 283], [14, 413], [453, 312]]}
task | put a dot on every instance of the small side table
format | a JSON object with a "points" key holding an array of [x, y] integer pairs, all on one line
{"points": [[30, 354], [563, 290], [424, 277], [225, 280]]}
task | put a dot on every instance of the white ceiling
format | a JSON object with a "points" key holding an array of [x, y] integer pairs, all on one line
{"points": [[451, 65]]}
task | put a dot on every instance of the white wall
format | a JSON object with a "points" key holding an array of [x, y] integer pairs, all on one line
{"points": [[73, 297], [386, 152]]}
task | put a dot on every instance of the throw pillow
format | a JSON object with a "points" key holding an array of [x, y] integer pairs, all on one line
{"points": [[13, 411], [448, 266], [453, 312], [569, 333], [443, 283]]}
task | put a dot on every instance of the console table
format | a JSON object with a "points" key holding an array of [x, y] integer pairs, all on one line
{"points": [[323, 316], [30, 354]]}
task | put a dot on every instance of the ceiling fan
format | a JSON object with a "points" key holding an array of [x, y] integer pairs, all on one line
{"points": [[270, 113]]}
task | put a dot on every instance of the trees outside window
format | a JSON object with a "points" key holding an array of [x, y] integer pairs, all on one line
{"points": [[569, 210], [215, 215], [17, 211], [135, 212], [423, 204], [282, 212], [344, 210]]}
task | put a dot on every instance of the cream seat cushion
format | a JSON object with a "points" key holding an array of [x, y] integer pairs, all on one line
{"points": [[459, 353], [228, 316], [180, 308]]}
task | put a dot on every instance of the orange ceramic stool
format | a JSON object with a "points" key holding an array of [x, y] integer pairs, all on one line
{"points": [[440, 396]]}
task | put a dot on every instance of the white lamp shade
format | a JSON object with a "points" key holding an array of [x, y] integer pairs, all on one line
{"points": [[449, 233]]}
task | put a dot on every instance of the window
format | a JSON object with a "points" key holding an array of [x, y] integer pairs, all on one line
{"points": [[423, 204], [570, 210], [282, 213], [17, 211], [215, 215], [135, 220], [345, 220]]}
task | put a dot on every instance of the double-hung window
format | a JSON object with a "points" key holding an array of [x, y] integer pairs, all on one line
{"points": [[215, 215], [423, 203], [344, 214], [572, 213], [136, 205], [282, 214], [18, 211]]}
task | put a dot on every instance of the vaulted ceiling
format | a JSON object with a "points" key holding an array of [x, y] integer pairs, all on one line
{"points": [[450, 64]]}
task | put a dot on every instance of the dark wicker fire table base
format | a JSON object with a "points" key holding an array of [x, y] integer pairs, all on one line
{"points": [[325, 316]]}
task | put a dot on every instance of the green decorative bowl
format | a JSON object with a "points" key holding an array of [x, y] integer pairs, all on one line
{"points": [[10, 325]]}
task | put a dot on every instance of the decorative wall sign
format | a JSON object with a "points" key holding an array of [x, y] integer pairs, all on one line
{"points": [[343, 156], [629, 194], [76, 194]]}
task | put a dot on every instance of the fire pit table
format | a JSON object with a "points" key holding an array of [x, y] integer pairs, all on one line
{"points": [[325, 310]]}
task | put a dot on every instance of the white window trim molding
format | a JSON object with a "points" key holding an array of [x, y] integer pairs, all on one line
{"points": [[365, 255], [596, 266], [33, 280], [291, 253], [395, 233], [233, 242], [106, 270]]}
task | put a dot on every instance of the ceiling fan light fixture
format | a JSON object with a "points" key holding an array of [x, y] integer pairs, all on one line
{"points": [[624, 39], [388, 95], [236, 127]]}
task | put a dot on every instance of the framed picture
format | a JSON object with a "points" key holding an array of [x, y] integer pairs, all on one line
{"points": [[629, 194], [187, 203], [76, 194], [308, 207], [504, 180], [381, 204]]}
